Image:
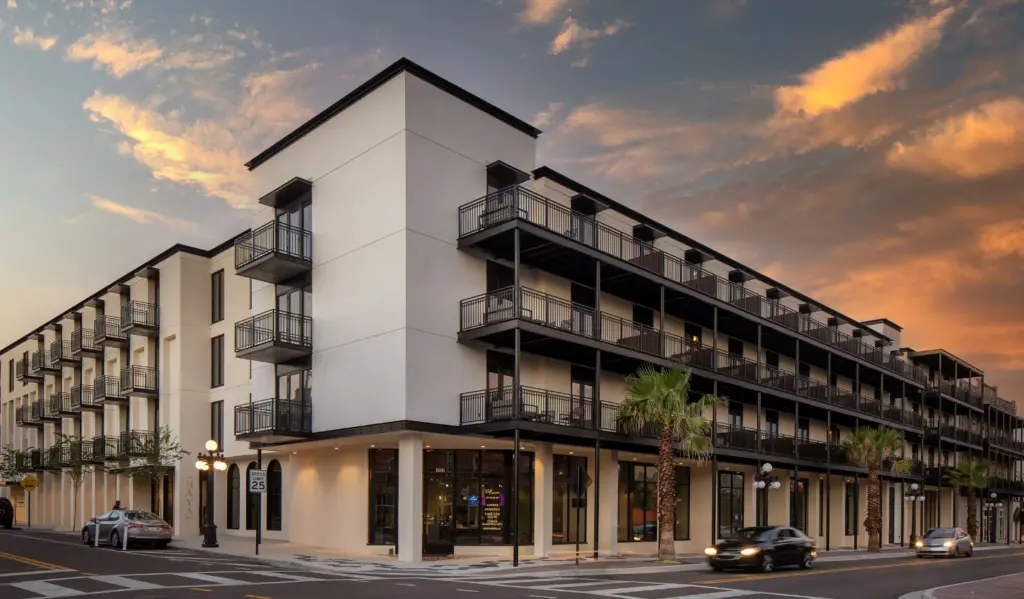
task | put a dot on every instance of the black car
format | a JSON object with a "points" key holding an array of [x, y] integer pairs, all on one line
{"points": [[6, 513], [763, 548]]}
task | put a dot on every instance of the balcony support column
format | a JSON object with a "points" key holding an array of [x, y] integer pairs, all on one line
{"points": [[597, 452], [516, 393], [714, 339], [830, 389], [608, 515], [661, 332], [410, 500], [543, 483], [828, 508], [796, 428], [714, 465], [758, 375], [597, 300], [759, 495]]}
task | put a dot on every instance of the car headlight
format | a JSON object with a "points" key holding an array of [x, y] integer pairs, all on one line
{"points": [[948, 544], [750, 551], [710, 551], [918, 544]]}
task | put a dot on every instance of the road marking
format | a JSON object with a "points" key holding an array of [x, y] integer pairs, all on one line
{"points": [[128, 583], [30, 562], [467, 591], [33, 573], [404, 584], [256, 597], [541, 596], [290, 577], [202, 590], [209, 578], [774, 575], [46, 589]]}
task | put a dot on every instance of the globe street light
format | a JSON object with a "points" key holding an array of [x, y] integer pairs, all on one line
{"points": [[915, 495], [992, 507], [215, 458], [764, 480]]}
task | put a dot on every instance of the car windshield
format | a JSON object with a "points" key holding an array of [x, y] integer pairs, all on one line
{"points": [[755, 533], [134, 515], [941, 533]]}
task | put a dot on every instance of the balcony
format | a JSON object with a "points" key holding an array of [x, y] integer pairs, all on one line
{"points": [[54, 458], [83, 342], [51, 408], [274, 420], [559, 329], [536, 405], [274, 337], [555, 238], [107, 332], [1006, 485], [136, 444], [43, 363], [968, 393], [139, 318], [23, 371], [82, 399], [1005, 441], [274, 252], [61, 355], [105, 448], [937, 475], [64, 405], [107, 389], [139, 381]]}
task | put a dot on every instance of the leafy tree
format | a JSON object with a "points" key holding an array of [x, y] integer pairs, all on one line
{"points": [[14, 463], [75, 459], [870, 448], [659, 402], [155, 454], [971, 475]]}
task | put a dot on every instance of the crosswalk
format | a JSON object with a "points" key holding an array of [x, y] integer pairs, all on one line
{"points": [[78, 586]]}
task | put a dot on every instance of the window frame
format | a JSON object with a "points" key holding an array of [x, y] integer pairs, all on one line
{"points": [[217, 361], [217, 281], [217, 422], [379, 479], [850, 502], [234, 490]]}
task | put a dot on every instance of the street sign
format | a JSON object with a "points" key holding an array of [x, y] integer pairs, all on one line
{"points": [[579, 481], [257, 481], [29, 483]]}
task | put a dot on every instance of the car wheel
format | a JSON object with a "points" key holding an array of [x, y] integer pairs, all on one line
{"points": [[115, 540], [85, 536], [806, 563], [767, 564]]}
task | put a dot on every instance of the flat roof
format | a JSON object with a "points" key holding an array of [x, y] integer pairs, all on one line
{"points": [[174, 249], [545, 172], [402, 65], [938, 351], [883, 321]]}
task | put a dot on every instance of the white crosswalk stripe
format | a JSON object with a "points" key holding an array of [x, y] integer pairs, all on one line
{"points": [[610, 588]]}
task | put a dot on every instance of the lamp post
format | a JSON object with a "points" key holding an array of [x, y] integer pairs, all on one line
{"points": [[915, 495], [991, 514], [204, 461], [765, 481]]}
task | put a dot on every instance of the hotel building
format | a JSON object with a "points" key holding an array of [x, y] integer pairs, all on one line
{"points": [[419, 307]]}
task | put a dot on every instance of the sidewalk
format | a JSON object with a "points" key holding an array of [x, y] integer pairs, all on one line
{"points": [[1010, 586]]}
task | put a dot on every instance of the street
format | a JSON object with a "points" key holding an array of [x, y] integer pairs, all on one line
{"points": [[36, 564]]}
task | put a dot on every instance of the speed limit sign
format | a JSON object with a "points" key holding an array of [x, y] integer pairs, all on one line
{"points": [[257, 481]]}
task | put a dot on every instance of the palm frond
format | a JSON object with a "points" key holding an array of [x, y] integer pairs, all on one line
{"points": [[970, 474]]}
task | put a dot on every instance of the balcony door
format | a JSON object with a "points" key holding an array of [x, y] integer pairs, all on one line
{"points": [[296, 218], [500, 380], [292, 305]]}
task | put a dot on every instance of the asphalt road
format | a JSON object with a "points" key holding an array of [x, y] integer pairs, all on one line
{"points": [[36, 565]]}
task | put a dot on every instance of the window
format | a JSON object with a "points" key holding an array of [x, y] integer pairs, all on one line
{"points": [[217, 361], [638, 502], [569, 512], [295, 386], [804, 370], [798, 503], [771, 423], [234, 490], [693, 333], [217, 422], [500, 369], [682, 517], [273, 495], [252, 501], [643, 315], [10, 375], [467, 498], [803, 429], [582, 295], [735, 415], [499, 276], [771, 359], [821, 507], [383, 497], [833, 435], [217, 296], [735, 347], [850, 509], [730, 503]]}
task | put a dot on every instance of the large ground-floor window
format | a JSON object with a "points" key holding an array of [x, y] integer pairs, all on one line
{"points": [[638, 503], [850, 509], [383, 497], [569, 511], [468, 498], [730, 503], [798, 492]]}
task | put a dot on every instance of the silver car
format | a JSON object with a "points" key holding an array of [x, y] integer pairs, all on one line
{"points": [[141, 528], [945, 542]]}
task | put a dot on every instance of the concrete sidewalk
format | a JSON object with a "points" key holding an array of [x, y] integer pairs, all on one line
{"points": [[1010, 586]]}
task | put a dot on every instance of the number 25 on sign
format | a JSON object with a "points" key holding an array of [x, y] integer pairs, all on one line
{"points": [[257, 481]]}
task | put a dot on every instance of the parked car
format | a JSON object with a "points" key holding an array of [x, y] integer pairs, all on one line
{"points": [[6, 513], [945, 542], [763, 548], [143, 528]]}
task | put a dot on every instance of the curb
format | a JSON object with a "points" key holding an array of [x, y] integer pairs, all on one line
{"points": [[930, 593]]}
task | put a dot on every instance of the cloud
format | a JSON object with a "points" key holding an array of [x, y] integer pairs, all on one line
{"points": [[1002, 240], [547, 116], [878, 66], [980, 142], [725, 10], [572, 34], [27, 37], [115, 50], [541, 12], [12, 4], [139, 215]]}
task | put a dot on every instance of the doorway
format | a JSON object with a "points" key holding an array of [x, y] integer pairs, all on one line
{"points": [[202, 501]]}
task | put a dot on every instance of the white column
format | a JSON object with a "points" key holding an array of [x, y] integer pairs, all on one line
{"points": [[609, 516], [543, 489], [410, 499]]}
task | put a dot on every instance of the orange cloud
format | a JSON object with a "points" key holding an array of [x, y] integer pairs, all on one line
{"points": [[27, 37], [878, 66], [541, 12], [572, 34], [139, 215], [116, 50], [980, 142], [1003, 240]]}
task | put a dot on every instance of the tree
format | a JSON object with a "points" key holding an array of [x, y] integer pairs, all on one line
{"points": [[870, 448], [158, 453], [14, 463], [973, 476], [660, 402], [75, 461]]}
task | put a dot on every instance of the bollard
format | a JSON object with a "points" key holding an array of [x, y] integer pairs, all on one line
{"points": [[125, 547]]}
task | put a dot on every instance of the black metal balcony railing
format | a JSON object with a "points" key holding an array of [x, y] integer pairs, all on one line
{"points": [[82, 340], [274, 327], [968, 393], [21, 369], [136, 443], [60, 351], [1005, 440], [139, 379], [51, 407], [139, 314], [1005, 483], [106, 448], [20, 415], [277, 416], [517, 202], [107, 329], [40, 360], [63, 402], [81, 397], [106, 388], [274, 238], [557, 313], [538, 405]]}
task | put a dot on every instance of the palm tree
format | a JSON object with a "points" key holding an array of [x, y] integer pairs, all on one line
{"points": [[659, 401], [973, 476], [870, 448]]}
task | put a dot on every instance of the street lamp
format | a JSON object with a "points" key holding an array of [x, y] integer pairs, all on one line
{"points": [[915, 495], [764, 480], [992, 508], [215, 458]]}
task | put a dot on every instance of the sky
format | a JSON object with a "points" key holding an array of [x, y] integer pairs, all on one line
{"points": [[867, 152]]}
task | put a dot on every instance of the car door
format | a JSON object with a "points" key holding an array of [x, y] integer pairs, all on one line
{"points": [[107, 524], [785, 547], [963, 541], [97, 525]]}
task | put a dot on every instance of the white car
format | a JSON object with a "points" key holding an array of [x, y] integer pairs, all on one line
{"points": [[945, 542]]}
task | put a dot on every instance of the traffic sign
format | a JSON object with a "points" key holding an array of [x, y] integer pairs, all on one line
{"points": [[579, 481], [29, 483], [257, 481]]}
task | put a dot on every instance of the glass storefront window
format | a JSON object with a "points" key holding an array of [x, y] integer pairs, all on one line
{"points": [[569, 513], [383, 497], [730, 503], [638, 503], [467, 498]]}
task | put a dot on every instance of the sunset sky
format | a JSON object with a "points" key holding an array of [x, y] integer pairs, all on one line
{"points": [[869, 153]]}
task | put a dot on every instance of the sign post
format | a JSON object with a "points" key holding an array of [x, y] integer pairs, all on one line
{"points": [[29, 483], [259, 505], [579, 482], [258, 484]]}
